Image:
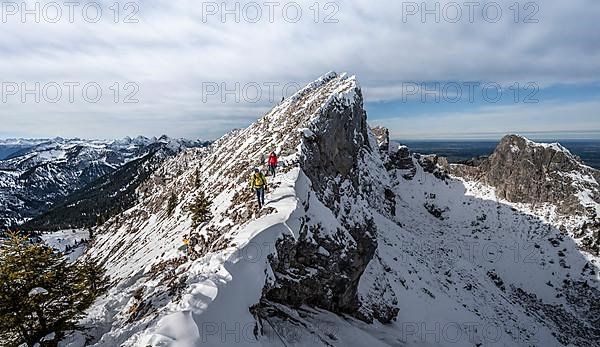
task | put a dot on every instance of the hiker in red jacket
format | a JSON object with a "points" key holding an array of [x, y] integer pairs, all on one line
{"points": [[272, 162]]}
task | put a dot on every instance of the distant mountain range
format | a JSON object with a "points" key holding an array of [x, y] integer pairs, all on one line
{"points": [[37, 174], [9, 147]]}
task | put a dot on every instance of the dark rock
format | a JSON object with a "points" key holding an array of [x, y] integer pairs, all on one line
{"points": [[434, 210], [475, 161], [497, 280], [522, 171], [305, 276], [577, 323], [435, 165], [402, 159]]}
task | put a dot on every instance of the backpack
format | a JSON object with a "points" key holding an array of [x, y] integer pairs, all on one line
{"points": [[260, 177]]}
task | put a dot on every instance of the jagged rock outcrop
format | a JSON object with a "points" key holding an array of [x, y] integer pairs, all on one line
{"points": [[402, 159], [383, 138], [523, 171], [434, 164], [324, 265], [340, 133], [394, 158], [475, 161]]}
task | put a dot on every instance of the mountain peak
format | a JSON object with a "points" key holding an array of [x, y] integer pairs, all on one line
{"points": [[516, 141], [543, 175], [316, 96]]}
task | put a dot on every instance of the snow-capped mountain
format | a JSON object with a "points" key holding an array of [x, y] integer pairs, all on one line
{"points": [[359, 243], [42, 173], [547, 178]]}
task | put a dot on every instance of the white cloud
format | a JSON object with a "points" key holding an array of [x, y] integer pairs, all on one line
{"points": [[170, 53]]}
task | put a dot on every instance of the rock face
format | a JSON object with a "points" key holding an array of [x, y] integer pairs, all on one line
{"points": [[523, 171], [318, 272], [324, 265], [434, 164], [476, 161], [341, 134], [401, 159]]}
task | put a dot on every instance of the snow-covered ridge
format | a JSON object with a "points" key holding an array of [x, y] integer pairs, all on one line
{"points": [[21, 141], [140, 139], [132, 244]]}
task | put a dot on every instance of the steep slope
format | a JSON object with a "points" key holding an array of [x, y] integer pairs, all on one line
{"points": [[359, 244], [471, 268]]}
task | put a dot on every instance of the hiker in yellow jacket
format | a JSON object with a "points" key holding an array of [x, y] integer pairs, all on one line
{"points": [[258, 182]]}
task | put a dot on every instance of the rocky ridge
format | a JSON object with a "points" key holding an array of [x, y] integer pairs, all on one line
{"points": [[544, 176]]}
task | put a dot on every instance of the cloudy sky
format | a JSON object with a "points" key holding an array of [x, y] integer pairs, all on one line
{"points": [[198, 69]]}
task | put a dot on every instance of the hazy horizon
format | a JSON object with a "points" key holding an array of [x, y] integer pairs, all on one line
{"points": [[536, 136]]}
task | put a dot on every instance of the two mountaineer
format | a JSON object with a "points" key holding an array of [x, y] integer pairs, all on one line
{"points": [[258, 181]]}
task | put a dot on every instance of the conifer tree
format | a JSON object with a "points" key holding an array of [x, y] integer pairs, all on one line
{"points": [[197, 180], [200, 209], [91, 280], [171, 204], [41, 293]]}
